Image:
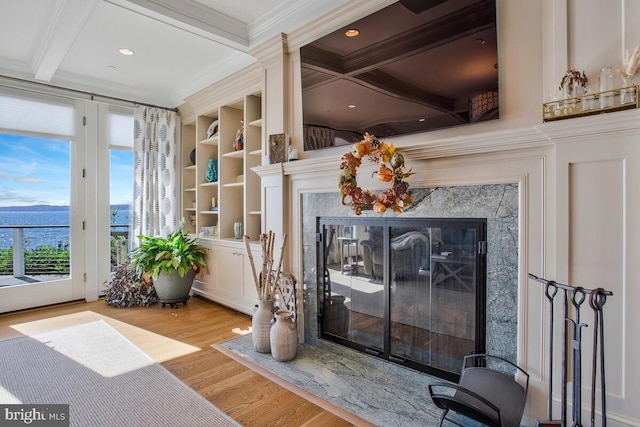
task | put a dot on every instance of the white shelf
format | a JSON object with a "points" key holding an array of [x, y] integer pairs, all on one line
{"points": [[256, 123], [234, 184], [234, 154], [190, 168], [255, 153], [255, 212], [211, 141], [190, 209], [190, 189], [209, 212], [209, 184]]}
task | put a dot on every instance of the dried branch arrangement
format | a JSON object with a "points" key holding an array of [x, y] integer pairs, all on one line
{"points": [[573, 78], [267, 281], [631, 61]]}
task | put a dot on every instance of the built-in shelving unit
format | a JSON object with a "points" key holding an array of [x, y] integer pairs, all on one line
{"points": [[236, 192]]}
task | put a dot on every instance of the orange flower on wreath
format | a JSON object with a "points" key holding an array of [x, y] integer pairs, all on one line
{"points": [[390, 169]]}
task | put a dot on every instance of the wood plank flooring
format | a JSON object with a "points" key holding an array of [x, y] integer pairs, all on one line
{"points": [[248, 397]]}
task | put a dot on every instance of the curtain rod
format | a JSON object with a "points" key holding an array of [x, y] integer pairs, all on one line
{"points": [[89, 94]]}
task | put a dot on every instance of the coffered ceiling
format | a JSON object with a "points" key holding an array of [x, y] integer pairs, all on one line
{"points": [[180, 46]]}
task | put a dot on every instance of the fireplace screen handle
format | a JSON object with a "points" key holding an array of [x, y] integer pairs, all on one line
{"points": [[373, 351], [397, 359]]}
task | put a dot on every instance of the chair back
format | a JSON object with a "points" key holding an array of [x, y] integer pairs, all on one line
{"points": [[498, 388]]}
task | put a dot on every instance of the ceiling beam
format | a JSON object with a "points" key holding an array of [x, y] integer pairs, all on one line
{"points": [[195, 18], [67, 19]]}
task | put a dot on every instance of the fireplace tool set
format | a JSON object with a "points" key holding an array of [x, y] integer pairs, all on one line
{"points": [[572, 334]]}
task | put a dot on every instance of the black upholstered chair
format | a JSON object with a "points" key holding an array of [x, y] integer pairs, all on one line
{"points": [[491, 390]]}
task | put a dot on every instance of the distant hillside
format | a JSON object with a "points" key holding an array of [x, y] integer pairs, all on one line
{"points": [[49, 208]]}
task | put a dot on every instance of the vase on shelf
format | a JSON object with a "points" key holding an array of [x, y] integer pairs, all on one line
{"points": [[212, 170], [284, 337], [628, 91], [237, 230], [261, 325], [606, 86]]}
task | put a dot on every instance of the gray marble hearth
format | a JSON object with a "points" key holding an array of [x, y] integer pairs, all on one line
{"points": [[379, 392]]}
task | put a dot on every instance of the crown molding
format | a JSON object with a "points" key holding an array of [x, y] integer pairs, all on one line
{"points": [[270, 49], [193, 17], [246, 81], [221, 70]]}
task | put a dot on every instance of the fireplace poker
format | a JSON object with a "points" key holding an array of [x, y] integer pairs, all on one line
{"points": [[577, 298], [565, 343], [551, 294], [597, 301]]}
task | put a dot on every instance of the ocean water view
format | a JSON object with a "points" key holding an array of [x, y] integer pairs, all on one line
{"points": [[40, 215]]}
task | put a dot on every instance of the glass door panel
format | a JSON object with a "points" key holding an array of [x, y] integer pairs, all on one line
{"points": [[37, 222], [354, 300], [410, 294]]}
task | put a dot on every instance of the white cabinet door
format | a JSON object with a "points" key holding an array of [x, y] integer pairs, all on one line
{"points": [[229, 278], [228, 274]]}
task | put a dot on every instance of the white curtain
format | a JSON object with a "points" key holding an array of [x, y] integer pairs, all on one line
{"points": [[155, 192]]}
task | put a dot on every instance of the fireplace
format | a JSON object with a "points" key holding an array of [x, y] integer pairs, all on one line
{"points": [[407, 290], [498, 203]]}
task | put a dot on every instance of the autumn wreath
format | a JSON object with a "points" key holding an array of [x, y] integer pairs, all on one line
{"points": [[391, 169]]}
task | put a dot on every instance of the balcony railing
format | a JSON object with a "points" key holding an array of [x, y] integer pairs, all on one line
{"points": [[19, 260]]}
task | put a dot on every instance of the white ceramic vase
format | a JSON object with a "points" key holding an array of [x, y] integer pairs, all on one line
{"points": [[261, 325], [284, 337]]}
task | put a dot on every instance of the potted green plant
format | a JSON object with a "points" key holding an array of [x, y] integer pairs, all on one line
{"points": [[171, 262]]}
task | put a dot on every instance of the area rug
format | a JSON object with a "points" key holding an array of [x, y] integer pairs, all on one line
{"points": [[378, 392], [105, 379]]}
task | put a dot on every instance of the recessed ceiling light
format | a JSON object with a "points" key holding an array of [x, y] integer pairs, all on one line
{"points": [[480, 40], [351, 105], [422, 119], [352, 32], [111, 66], [125, 51]]}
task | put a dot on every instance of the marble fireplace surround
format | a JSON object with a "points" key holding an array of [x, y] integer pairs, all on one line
{"points": [[499, 203]]}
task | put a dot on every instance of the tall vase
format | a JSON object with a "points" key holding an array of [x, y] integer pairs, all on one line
{"points": [[284, 337], [212, 170], [261, 325]]}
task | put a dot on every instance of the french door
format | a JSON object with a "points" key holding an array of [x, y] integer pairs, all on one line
{"points": [[42, 220]]}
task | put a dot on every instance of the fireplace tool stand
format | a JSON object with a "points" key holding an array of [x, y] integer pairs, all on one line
{"points": [[572, 338]]}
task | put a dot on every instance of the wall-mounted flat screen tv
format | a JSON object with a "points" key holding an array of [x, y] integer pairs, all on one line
{"points": [[414, 66]]}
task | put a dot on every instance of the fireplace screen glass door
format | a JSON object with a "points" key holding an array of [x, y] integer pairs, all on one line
{"points": [[411, 291]]}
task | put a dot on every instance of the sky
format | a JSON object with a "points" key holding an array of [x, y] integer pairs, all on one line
{"points": [[35, 171]]}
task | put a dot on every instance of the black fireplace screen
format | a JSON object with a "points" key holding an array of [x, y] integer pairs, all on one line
{"points": [[411, 291]]}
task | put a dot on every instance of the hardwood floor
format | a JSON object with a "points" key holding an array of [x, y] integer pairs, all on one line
{"points": [[248, 397]]}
